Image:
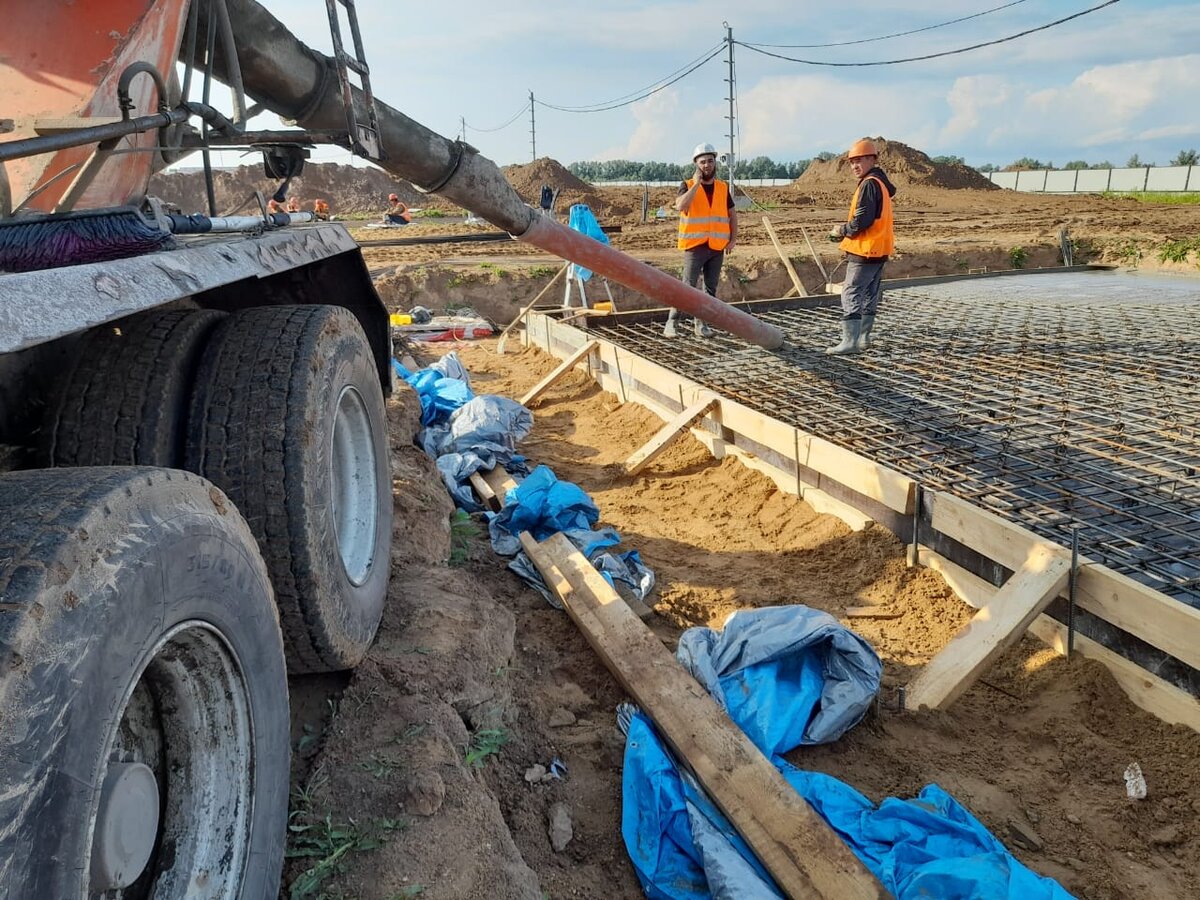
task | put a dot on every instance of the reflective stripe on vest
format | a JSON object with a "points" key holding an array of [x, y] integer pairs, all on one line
{"points": [[878, 240], [702, 223]]}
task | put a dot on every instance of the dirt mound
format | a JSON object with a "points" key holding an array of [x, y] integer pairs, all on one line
{"points": [[906, 166], [349, 190], [527, 179]]}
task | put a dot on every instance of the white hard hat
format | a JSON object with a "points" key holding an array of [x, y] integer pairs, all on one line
{"points": [[702, 149]]}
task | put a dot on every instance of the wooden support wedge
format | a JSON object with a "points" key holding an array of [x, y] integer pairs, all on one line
{"points": [[668, 434], [484, 491], [992, 630], [566, 366], [803, 854], [787, 263]]}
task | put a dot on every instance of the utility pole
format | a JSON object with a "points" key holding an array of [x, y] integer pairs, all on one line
{"points": [[732, 92], [462, 128], [532, 126]]}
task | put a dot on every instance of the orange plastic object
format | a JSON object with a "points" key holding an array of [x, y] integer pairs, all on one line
{"points": [[62, 58]]}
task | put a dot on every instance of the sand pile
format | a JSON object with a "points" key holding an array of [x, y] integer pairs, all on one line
{"points": [[906, 166], [347, 189]]}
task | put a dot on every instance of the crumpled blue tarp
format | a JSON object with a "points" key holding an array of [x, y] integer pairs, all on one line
{"points": [[788, 675], [542, 505], [684, 849], [487, 423], [584, 221]]}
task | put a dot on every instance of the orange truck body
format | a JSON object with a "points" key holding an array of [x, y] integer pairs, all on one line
{"points": [[61, 59]]}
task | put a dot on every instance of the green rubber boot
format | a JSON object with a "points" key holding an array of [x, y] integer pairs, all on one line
{"points": [[864, 336], [849, 343]]}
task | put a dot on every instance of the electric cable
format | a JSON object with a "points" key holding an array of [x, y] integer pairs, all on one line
{"points": [[520, 112], [888, 37], [679, 75], [892, 62]]}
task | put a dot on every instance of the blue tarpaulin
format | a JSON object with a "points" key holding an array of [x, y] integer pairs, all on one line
{"points": [[790, 676], [582, 220]]}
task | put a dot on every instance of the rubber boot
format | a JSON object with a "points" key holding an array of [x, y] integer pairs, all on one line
{"points": [[849, 343], [669, 328], [700, 328], [864, 336]]}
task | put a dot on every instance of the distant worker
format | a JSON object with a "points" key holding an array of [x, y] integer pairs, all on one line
{"points": [[321, 209], [293, 205], [707, 229], [868, 240], [397, 213], [274, 206]]}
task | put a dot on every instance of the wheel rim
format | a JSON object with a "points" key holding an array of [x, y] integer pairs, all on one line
{"points": [[186, 721], [355, 488]]}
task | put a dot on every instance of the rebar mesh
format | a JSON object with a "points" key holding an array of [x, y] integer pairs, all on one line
{"points": [[1058, 401]]}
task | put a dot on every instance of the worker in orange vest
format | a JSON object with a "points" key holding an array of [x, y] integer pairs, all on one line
{"points": [[293, 205], [707, 229], [868, 240], [321, 209], [397, 213]]}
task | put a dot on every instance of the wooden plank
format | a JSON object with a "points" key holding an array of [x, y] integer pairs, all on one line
{"points": [[553, 378], [500, 483], [668, 434], [992, 630], [1157, 619], [484, 491], [803, 854], [787, 263], [1149, 692]]}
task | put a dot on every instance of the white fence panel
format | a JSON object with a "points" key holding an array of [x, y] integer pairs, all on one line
{"points": [[1092, 181], [1061, 182], [1128, 180], [1005, 179], [1168, 178]]}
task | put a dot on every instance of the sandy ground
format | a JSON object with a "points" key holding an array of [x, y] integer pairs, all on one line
{"points": [[417, 764]]}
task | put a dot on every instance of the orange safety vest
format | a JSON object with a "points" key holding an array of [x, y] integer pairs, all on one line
{"points": [[878, 240], [702, 223]]}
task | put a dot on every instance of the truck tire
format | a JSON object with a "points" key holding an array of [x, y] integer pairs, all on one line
{"points": [[143, 691], [288, 419], [125, 400]]}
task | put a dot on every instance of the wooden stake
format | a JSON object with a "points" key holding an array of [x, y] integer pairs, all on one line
{"points": [[567, 365], [532, 303], [484, 491], [668, 434], [787, 263], [802, 853], [992, 630]]}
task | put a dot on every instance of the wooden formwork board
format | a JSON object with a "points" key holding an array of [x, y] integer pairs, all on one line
{"points": [[1159, 620]]}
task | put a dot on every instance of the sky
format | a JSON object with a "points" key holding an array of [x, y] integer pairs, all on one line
{"points": [[1102, 87]]}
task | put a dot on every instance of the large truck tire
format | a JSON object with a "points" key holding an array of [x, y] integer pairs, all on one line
{"points": [[143, 691], [125, 400], [288, 420]]}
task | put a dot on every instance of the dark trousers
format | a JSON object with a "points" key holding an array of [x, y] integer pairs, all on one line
{"points": [[703, 260], [862, 289]]}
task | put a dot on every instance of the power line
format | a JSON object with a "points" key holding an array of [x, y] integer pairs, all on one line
{"points": [[892, 62], [888, 37], [654, 88], [520, 112]]}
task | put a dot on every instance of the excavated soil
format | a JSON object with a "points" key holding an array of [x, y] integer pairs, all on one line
{"points": [[466, 649]]}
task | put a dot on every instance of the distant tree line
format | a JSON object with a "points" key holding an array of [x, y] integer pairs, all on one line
{"points": [[629, 170], [1183, 158]]}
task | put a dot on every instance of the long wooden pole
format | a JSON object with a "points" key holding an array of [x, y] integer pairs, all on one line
{"points": [[532, 303], [787, 263]]}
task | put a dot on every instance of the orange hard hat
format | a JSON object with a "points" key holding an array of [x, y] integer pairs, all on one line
{"points": [[863, 147], [393, 196]]}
